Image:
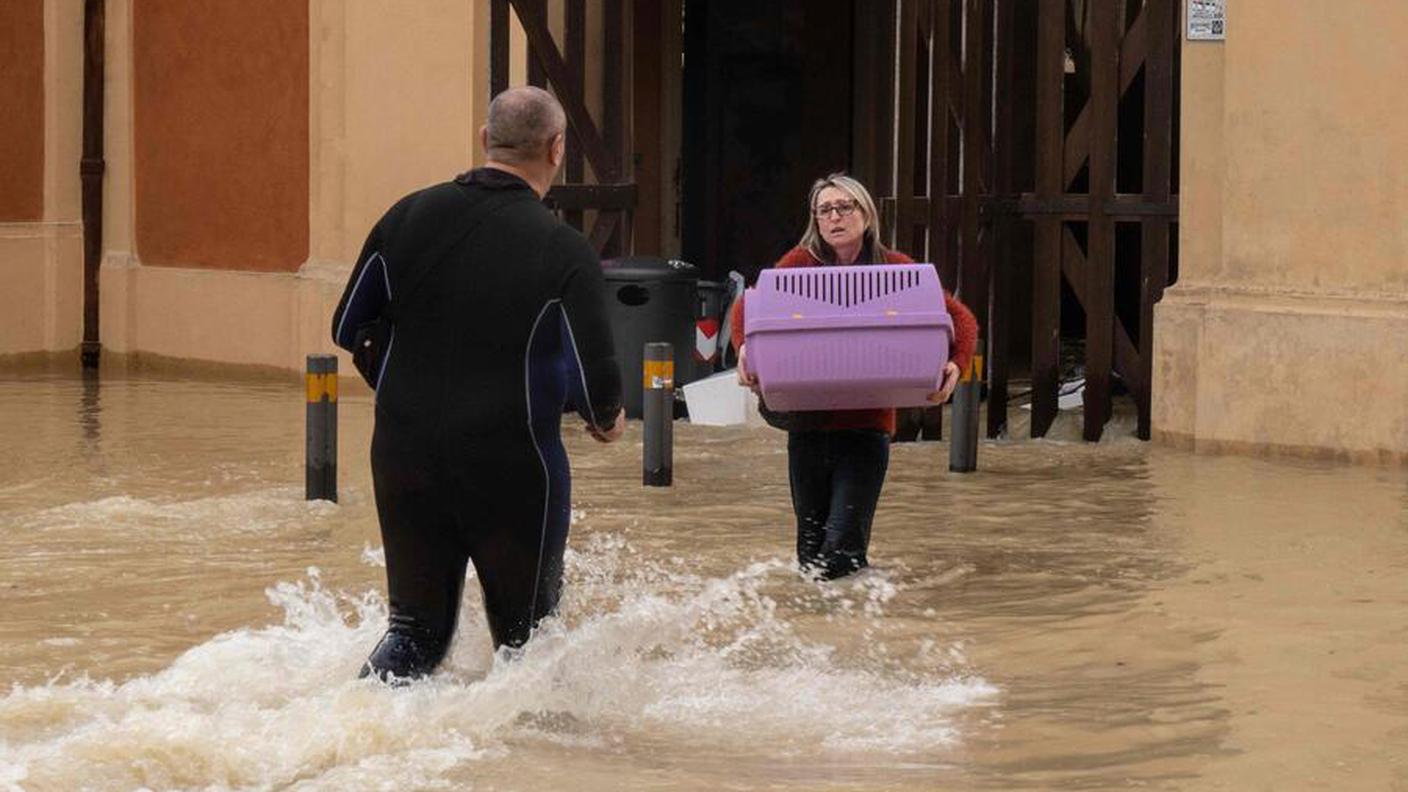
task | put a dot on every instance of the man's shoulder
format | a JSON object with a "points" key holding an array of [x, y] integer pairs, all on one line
{"points": [[440, 204], [571, 245], [436, 196]]}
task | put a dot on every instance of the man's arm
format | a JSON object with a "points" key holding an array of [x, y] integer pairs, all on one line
{"points": [[368, 291], [588, 332]]}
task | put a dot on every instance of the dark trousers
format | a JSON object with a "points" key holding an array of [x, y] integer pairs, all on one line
{"points": [[836, 478], [502, 505]]}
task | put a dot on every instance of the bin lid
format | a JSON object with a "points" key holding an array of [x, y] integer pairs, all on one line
{"points": [[648, 268]]}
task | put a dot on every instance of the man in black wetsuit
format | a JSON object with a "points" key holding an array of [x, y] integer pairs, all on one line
{"points": [[496, 336]]}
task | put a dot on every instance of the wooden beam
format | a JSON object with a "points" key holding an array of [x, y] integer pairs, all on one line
{"points": [[1158, 167], [952, 205], [602, 197], [603, 229], [649, 120], [1046, 265], [957, 106], [615, 133], [498, 46], [973, 272], [574, 34], [1100, 257], [536, 76], [613, 87], [874, 76], [941, 87], [915, 237], [999, 335], [1133, 53], [905, 146], [1077, 206], [933, 18], [1073, 267], [541, 45]]}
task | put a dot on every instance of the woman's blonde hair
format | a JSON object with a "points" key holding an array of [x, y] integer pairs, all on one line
{"points": [[870, 246]]}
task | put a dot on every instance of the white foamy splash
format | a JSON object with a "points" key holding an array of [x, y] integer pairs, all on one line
{"points": [[643, 652]]}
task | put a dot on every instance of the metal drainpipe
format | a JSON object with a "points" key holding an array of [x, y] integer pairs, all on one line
{"points": [[90, 170]]}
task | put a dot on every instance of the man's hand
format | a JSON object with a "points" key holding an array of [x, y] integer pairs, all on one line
{"points": [[614, 433], [746, 378], [950, 381]]}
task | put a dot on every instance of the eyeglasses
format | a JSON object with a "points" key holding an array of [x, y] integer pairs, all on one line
{"points": [[841, 208]]}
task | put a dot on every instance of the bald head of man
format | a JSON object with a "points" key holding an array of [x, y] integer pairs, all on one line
{"points": [[525, 134]]}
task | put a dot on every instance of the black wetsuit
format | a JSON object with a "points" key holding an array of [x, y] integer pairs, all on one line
{"points": [[467, 457]]}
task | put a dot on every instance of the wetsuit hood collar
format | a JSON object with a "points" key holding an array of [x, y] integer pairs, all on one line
{"points": [[493, 178]]}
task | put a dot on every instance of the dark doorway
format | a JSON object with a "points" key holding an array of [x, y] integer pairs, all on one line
{"points": [[767, 109]]}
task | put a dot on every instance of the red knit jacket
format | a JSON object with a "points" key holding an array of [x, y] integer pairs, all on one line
{"points": [[965, 342]]}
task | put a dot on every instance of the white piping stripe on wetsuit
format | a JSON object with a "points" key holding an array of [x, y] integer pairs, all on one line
{"points": [[385, 360], [352, 296], [547, 477], [390, 342], [572, 337]]}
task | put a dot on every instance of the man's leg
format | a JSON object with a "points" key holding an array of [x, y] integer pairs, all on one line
{"points": [[425, 562], [517, 539]]}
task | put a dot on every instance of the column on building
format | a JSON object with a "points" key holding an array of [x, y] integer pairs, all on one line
{"points": [[1288, 328], [41, 234]]}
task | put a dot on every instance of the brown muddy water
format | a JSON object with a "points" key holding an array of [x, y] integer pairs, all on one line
{"points": [[1118, 616]]}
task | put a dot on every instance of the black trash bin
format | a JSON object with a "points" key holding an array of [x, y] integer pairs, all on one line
{"points": [[650, 299]]}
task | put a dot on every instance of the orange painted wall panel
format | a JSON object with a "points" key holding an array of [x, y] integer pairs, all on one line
{"points": [[221, 133], [22, 110]]}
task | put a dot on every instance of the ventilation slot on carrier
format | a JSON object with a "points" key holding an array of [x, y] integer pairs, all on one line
{"points": [[846, 289]]}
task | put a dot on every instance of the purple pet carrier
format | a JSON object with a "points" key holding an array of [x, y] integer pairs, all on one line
{"points": [[829, 338]]}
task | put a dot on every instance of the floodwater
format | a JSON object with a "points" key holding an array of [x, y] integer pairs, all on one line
{"points": [[1117, 616]]}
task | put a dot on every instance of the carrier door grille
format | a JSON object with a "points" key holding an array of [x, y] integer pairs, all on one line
{"points": [[845, 289]]}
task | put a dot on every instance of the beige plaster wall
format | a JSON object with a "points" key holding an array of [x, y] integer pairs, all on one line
{"points": [[394, 102], [1288, 329], [1316, 186], [41, 263], [119, 205], [396, 95]]}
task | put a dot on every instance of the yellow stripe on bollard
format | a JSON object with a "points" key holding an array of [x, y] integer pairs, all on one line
{"points": [[975, 369], [320, 464], [659, 374], [657, 414], [322, 385]]}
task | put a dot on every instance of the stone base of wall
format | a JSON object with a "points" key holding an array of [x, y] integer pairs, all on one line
{"points": [[41, 302], [243, 319], [1252, 371]]}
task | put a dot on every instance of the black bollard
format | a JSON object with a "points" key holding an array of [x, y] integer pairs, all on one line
{"points": [[321, 450], [658, 412], [963, 443]]}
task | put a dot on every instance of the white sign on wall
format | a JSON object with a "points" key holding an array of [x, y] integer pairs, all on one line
{"points": [[1207, 20]]}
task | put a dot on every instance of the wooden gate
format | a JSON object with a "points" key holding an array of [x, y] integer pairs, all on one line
{"points": [[1033, 147], [600, 142]]}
